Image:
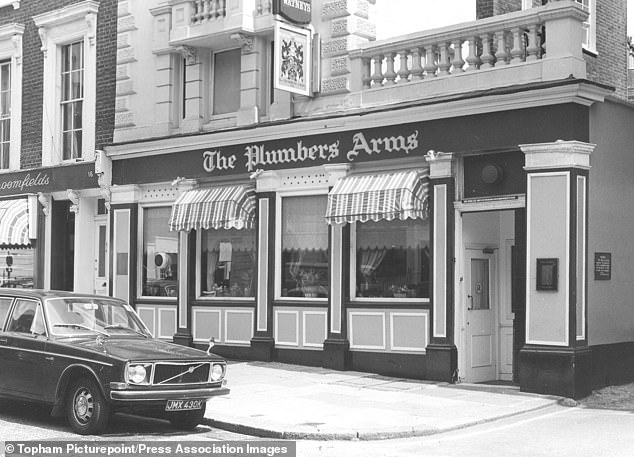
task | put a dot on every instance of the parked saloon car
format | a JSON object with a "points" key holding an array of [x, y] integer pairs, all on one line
{"points": [[89, 356]]}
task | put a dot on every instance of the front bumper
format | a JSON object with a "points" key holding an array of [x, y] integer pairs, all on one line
{"points": [[168, 394]]}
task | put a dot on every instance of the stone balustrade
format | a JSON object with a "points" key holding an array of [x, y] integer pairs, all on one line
{"points": [[208, 10], [553, 31]]}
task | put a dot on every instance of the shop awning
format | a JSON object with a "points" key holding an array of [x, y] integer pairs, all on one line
{"points": [[214, 208], [389, 196], [14, 222]]}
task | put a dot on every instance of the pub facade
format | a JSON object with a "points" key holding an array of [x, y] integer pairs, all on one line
{"points": [[427, 213]]}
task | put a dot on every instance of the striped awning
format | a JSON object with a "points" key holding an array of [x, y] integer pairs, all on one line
{"points": [[214, 208], [14, 222], [389, 196]]}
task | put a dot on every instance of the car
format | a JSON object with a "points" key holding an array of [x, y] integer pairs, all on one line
{"points": [[89, 356]]}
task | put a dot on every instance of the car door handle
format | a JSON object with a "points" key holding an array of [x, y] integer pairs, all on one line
{"points": [[50, 358], [3, 340]]}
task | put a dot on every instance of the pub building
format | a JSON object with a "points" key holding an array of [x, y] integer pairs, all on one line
{"points": [[440, 210]]}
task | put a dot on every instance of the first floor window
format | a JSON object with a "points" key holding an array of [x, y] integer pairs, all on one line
{"points": [[228, 263], [392, 259], [160, 254], [226, 81], [72, 99], [5, 113], [305, 253]]}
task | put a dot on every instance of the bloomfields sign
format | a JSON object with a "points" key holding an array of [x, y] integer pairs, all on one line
{"points": [[52, 179], [295, 11]]}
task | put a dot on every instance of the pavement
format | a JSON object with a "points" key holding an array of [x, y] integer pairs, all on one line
{"points": [[281, 401]]}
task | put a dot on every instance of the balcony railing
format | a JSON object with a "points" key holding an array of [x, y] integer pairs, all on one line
{"points": [[208, 10], [523, 39]]}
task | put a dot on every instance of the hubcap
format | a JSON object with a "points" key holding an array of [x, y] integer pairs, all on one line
{"points": [[83, 405]]}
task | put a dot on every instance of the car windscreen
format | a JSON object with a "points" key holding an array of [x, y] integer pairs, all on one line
{"points": [[73, 316]]}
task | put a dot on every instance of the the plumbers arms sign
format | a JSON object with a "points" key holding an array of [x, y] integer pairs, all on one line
{"points": [[315, 150], [294, 11]]}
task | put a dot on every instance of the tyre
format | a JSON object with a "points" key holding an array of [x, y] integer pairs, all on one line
{"points": [[187, 420], [86, 408]]}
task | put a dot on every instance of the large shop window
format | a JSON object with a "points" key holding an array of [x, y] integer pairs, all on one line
{"points": [[227, 264], [304, 262], [160, 254], [17, 255], [390, 254], [224, 218]]}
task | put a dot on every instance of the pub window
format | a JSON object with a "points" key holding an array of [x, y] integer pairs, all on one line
{"points": [[72, 99], [160, 254], [304, 247], [227, 263], [5, 113], [390, 259], [226, 81]]}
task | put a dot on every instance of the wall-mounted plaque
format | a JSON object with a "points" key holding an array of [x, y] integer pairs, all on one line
{"points": [[547, 274], [602, 266]]}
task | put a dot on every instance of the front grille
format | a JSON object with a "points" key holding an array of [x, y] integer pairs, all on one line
{"points": [[167, 374]]}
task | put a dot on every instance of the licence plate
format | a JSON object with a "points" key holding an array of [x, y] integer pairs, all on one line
{"points": [[183, 405]]}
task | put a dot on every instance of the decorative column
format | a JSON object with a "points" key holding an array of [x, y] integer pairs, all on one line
{"points": [[556, 358], [337, 345], [263, 343], [252, 60], [442, 354]]}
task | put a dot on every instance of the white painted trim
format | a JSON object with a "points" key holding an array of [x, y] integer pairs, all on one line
{"points": [[11, 48], [565, 274], [277, 313], [154, 328], [314, 313], [14, 3], [183, 279], [582, 180], [491, 204], [425, 315], [162, 310], [263, 264], [336, 278], [115, 236], [440, 328], [226, 322], [351, 314], [199, 310], [582, 93]]}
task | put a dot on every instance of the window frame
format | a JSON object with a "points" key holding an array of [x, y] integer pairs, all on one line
{"points": [[11, 50], [70, 102], [353, 276], [212, 85], [138, 290], [7, 117], [278, 243], [198, 283], [57, 28], [589, 42]]}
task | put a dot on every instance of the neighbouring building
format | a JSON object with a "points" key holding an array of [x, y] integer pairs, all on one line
{"points": [[448, 205], [57, 88]]}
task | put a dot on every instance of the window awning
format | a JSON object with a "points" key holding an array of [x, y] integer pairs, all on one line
{"points": [[14, 222], [389, 196], [214, 208]]}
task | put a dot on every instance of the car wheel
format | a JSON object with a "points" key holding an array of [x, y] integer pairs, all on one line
{"points": [[86, 409], [187, 420]]}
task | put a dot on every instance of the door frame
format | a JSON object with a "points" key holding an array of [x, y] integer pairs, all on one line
{"points": [[100, 220], [461, 207]]}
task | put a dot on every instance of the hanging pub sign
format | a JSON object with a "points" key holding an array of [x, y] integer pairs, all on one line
{"points": [[293, 59], [294, 11]]}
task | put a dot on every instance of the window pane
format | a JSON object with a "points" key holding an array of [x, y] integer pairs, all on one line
{"points": [[22, 269], [226, 82], [77, 114], [304, 247], [5, 304], [77, 84], [67, 141], [4, 156], [77, 60], [66, 58], [67, 117], [5, 77], [5, 128], [228, 263], [160, 254], [77, 149], [22, 317], [393, 259]]}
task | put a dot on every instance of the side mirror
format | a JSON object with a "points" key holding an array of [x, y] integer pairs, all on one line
{"points": [[212, 343]]}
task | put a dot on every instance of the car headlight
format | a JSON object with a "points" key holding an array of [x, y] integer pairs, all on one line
{"points": [[137, 374], [217, 371]]}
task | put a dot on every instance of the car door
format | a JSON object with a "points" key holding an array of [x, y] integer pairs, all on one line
{"points": [[23, 345], [5, 306]]}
